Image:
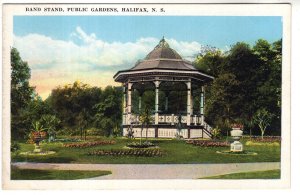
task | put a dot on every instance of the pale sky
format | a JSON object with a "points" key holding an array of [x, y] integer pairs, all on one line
{"points": [[63, 49]]}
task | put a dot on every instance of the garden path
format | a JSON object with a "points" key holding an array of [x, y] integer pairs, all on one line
{"points": [[156, 171]]}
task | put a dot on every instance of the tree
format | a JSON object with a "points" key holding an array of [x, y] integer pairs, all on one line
{"points": [[34, 111], [51, 123], [109, 110], [224, 101], [21, 92], [269, 76], [210, 61], [246, 79], [83, 120], [145, 119], [70, 101], [263, 118]]}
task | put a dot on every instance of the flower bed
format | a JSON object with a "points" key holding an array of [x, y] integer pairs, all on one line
{"points": [[253, 143], [127, 152], [266, 139], [208, 143], [139, 145], [68, 140], [88, 144]]}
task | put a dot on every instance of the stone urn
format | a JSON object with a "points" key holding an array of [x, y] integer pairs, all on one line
{"points": [[236, 134], [37, 138]]}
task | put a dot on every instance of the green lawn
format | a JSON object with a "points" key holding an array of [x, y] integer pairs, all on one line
{"points": [[272, 174], [175, 151], [34, 174]]}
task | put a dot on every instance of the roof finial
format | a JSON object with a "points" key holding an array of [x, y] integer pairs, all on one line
{"points": [[162, 43]]}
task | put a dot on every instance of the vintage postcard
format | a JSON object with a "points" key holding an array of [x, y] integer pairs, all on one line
{"points": [[146, 96]]}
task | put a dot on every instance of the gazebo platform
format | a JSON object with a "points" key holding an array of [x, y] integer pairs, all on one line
{"points": [[168, 131]]}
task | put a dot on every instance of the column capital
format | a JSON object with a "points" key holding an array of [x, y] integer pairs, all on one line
{"points": [[188, 85], [157, 83]]}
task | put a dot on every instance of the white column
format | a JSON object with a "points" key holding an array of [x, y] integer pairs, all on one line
{"points": [[172, 119], [188, 117], [129, 85], [124, 105], [156, 100], [202, 105], [192, 103]]}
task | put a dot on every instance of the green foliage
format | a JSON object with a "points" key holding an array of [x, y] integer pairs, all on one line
{"points": [[210, 62], [80, 107], [15, 147], [37, 126], [216, 133], [74, 102], [109, 111], [50, 122], [21, 93], [246, 79]]}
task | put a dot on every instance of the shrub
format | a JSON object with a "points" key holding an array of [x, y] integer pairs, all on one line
{"points": [[208, 143], [127, 152], [88, 144], [14, 147]]}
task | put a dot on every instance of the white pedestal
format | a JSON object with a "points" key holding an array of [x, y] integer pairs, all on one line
{"points": [[236, 146]]}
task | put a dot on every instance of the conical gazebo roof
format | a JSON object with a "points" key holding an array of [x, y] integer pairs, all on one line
{"points": [[161, 59]]}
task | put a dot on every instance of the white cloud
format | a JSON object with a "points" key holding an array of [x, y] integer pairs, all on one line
{"points": [[83, 36], [54, 58]]}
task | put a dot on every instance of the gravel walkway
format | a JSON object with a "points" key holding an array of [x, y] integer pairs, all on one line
{"points": [[156, 171]]}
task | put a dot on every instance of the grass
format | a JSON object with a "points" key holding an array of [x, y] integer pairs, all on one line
{"points": [[34, 174], [174, 152], [271, 174]]}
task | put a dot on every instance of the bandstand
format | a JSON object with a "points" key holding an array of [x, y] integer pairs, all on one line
{"points": [[178, 90]]}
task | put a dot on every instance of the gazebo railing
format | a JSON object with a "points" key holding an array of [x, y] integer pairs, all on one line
{"points": [[171, 119]]}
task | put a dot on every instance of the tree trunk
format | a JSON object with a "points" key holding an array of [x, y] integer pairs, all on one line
{"points": [[146, 132], [227, 135]]}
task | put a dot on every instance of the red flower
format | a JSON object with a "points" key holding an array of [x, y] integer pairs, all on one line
{"points": [[237, 125]]}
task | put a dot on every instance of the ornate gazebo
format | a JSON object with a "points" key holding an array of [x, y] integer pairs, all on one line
{"points": [[178, 95]]}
